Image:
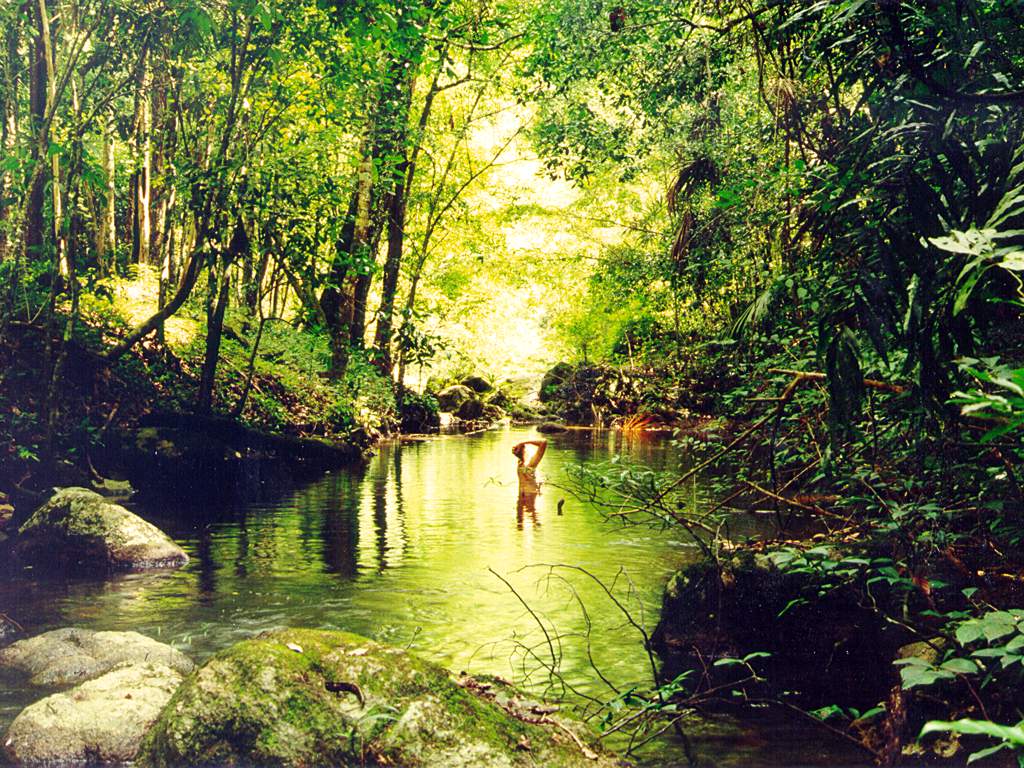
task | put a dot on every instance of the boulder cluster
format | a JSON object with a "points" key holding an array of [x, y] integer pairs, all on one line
{"points": [[291, 697]]}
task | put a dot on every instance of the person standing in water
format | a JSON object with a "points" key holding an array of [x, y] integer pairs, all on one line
{"points": [[529, 485]]}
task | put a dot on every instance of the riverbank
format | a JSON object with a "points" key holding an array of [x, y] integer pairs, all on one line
{"points": [[886, 594]]}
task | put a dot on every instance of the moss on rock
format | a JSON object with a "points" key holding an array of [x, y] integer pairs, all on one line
{"points": [[301, 697], [77, 529]]}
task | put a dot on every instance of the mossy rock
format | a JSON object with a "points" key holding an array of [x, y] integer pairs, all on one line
{"points": [[552, 380], [79, 530], [300, 697], [451, 398]]}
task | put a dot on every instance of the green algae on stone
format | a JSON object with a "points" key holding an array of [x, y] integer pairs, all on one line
{"points": [[77, 529], [309, 697]]}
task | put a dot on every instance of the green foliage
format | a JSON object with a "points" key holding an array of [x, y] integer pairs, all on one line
{"points": [[1002, 401], [1010, 736]]}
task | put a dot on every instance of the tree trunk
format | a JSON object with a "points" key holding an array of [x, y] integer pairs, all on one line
{"points": [[106, 229], [338, 300], [33, 239], [142, 147], [9, 129], [389, 280], [220, 284]]}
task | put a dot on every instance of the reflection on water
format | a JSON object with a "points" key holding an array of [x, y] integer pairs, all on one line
{"points": [[403, 553]]}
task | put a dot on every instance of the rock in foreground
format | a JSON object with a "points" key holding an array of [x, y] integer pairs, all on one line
{"points": [[100, 721], [69, 656], [80, 530], [307, 697]]}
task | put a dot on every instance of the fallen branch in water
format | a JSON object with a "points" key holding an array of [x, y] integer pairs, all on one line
{"points": [[12, 622]]}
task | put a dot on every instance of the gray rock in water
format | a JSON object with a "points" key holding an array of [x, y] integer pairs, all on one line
{"points": [[312, 698], [451, 398], [70, 656], [101, 721], [77, 529]]}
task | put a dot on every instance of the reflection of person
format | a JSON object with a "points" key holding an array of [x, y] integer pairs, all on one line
{"points": [[529, 485]]}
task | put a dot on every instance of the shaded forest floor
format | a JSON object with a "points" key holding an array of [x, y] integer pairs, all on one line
{"points": [[280, 386]]}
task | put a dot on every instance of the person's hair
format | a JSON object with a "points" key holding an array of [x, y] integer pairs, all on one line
{"points": [[518, 451]]}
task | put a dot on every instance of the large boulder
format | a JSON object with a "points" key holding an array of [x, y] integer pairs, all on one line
{"points": [[66, 657], [552, 380], [100, 721], [471, 410], [79, 530], [478, 384], [451, 398], [493, 413], [314, 698]]}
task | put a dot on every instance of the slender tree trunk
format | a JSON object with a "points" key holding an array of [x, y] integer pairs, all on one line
{"points": [[395, 207], [9, 128], [220, 292], [33, 239], [220, 285], [167, 247], [106, 229], [56, 201], [162, 122], [142, 149]]}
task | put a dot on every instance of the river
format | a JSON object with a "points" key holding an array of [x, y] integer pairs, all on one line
{"points": [[424, 549]]}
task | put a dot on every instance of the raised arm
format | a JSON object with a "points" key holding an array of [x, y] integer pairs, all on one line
{"points": [[541, 446]]}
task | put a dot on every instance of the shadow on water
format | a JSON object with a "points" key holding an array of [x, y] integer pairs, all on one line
{"points": [[402, 552]]}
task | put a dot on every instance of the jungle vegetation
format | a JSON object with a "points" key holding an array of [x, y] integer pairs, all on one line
{"points": [[791, 229]]}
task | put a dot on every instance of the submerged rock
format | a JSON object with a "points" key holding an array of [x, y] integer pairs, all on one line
{"points": [[305, 697], [69, 656], [552, 428], [451, 398], [100, 721], [77, 529]]}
